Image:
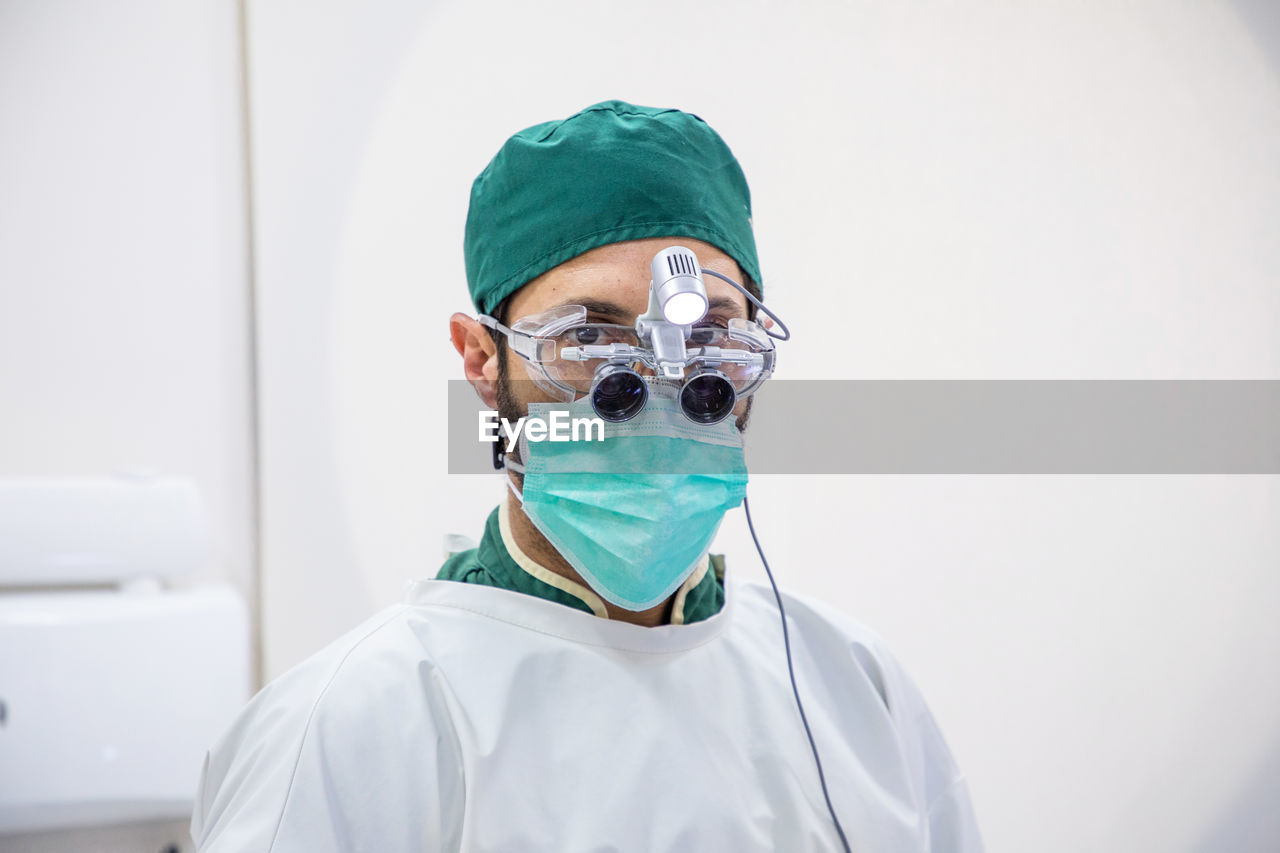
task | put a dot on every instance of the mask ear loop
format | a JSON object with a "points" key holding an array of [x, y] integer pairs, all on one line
{"points": [[512, 465]]}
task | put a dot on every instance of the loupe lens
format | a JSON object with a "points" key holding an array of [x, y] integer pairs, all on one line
{"points": [[618, 393], [707, 397]]}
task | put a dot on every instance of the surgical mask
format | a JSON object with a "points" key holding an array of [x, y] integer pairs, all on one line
{"points": [[634, 514]]}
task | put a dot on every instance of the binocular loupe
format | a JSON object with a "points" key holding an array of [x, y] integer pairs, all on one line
{"points": [[619, 393], [714, 366]]}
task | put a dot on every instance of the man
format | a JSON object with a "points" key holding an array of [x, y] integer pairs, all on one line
{"points": [[588, 678]]}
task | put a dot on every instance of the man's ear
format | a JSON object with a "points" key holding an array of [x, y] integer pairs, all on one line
{"points": [[479, 356]]}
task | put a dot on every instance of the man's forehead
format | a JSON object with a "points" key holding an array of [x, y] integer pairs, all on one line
{"points": [[617, 310], [613, 280]]}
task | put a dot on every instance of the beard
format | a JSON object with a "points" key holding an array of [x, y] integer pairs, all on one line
{"points": [[509, 408]]}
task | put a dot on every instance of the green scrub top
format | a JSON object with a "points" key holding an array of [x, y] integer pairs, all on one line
{"points": [[491, 564]]}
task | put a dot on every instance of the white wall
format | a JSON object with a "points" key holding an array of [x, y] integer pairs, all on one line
{"points": [[123, 274], [124, 323], [317, 75], [976, 190]]}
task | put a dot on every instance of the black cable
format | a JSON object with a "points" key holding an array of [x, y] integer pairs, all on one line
{"points": [[786, 333], [786, 641]]}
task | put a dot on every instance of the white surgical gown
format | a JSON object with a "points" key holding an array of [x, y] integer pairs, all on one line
{"points": [[479, 719]]}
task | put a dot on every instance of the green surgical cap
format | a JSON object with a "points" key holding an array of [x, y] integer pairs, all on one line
{"points": [[610, 173]]}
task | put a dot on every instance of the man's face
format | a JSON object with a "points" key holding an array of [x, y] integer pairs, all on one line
{"points": [[612, 283]]}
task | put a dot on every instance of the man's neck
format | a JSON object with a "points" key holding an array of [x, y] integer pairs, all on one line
{"points": [[536, 546]]}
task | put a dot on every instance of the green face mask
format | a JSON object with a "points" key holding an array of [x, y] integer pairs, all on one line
{"points": [[635, 513]]}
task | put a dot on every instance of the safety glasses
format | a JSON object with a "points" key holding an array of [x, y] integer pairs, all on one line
{"points": [[571, 358]]}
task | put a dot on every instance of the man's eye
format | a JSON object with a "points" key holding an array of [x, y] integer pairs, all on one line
{"points": [[705, 332], [585, 336]]}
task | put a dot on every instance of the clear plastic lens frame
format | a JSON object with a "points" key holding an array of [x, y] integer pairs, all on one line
{"points": [[565, 351]]}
